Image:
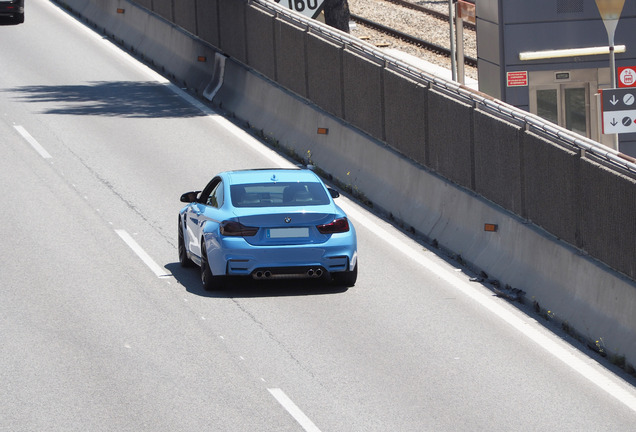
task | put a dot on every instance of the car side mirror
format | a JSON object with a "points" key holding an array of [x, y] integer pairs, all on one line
{"points": [[334, 193], [189, 197]]}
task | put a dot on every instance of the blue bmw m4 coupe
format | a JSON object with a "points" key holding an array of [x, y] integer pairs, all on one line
{"points": [[267, 224]]}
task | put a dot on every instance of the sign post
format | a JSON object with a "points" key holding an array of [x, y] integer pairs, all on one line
{"points": [[610, 11]]}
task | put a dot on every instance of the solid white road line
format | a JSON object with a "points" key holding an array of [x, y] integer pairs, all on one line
{"points": [[527, 326], [36, 145], [292, 409], [156, 269]]}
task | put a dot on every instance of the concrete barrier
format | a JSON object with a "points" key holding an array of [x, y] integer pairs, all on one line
{"points": [[552, 273]]}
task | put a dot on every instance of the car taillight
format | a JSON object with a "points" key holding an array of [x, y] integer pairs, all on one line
{"points": [[337, 226], [231, 228]]}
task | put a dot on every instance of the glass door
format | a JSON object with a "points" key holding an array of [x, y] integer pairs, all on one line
{"points": [[548, 104], [566, 105], [576, 113]]}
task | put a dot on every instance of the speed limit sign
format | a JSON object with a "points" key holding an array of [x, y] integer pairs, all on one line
{"points": [[309, 8]]}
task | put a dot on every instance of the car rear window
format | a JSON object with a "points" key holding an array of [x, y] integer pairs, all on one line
{"points": [[278, 194]]}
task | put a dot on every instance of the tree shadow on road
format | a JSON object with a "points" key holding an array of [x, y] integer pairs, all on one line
{"points": [[245, 287], [132, 99]]}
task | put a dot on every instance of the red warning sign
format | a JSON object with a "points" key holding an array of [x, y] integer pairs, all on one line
{"points": [[517, 79], [626, 76]]}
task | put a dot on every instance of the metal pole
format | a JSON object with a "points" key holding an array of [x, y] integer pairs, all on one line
{"points": [[459, 30], [451, 22], [612, 66], [610, 11], [612, 60], [613, 83]]}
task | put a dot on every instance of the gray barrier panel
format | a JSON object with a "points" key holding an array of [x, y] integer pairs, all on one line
{"points": [[163, 8], [450, 138], [208, 21], [260, 41], [145, 3], [498, 161], [185, 15], [232, 28], [324, 77], [406, 115], [290, 56], [551, 186], [608, 216], [363, 93]]}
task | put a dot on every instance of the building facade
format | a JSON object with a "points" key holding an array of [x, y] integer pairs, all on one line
{"points": [[561, 85]]}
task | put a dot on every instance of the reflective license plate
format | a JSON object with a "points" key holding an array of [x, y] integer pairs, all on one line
{"points": [[288, 232]]}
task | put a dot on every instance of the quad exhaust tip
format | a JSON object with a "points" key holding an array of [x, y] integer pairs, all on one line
{"points": [[314, 273], [267, 274]]}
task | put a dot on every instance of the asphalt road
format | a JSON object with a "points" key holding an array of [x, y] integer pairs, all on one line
{"points": [[101, 330]]}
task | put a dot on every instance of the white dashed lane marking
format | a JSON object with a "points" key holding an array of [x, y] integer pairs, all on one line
{"points": [[152, 265], [292, 409], [36, 145]]}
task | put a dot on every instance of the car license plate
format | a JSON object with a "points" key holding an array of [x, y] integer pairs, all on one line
{"points": [[288, 232]]}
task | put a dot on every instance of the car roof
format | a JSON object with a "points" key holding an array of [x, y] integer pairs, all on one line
{"points": [[271, 175]]}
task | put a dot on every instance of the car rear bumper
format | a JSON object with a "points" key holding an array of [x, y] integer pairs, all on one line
{"points": [[239, 258]]}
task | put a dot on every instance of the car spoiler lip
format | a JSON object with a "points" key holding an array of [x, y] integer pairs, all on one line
{"points": [[264, 211]]}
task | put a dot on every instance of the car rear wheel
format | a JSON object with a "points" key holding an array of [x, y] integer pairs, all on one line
{"points": [[183, 254], [346, 278], [209, 281]]}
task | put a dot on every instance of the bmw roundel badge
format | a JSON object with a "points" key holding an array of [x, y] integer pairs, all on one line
{"points": [[287, 219]]}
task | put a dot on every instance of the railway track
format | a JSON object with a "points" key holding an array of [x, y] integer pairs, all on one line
{"points": [[433, 12], [469, 61]]}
